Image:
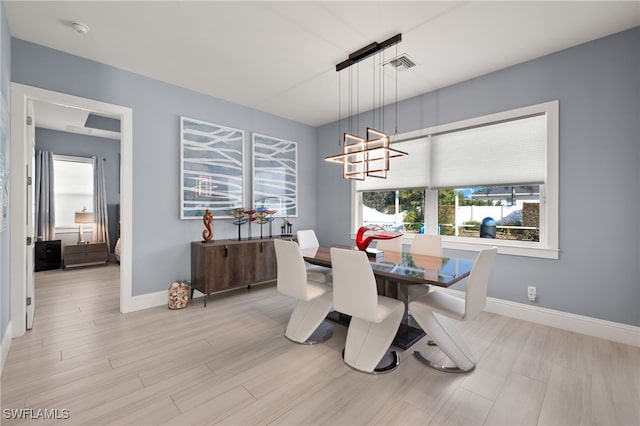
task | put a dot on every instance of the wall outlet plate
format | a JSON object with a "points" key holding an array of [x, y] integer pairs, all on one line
{"points": [[531, 293]]}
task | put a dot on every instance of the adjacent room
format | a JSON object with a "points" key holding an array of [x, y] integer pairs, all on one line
{"points": [[314, 212]]}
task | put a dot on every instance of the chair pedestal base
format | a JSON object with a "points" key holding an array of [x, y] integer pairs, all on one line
{"points": [[367, 342], [438, 366], [389, 362], [321, 334], [444, 333], [307, 318]]}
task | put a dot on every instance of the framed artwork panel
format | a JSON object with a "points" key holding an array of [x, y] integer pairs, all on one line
{"points": [[212, 172], [4, 162], [275, 175]]}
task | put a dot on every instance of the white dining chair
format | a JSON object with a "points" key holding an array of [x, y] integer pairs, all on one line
{"points": [[307, 239], [393, 244], [437, 313], [426, 244], [374, 319], [306, 324]]}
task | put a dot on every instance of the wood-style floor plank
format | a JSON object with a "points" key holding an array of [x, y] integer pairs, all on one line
{"points": [[230, 364]]}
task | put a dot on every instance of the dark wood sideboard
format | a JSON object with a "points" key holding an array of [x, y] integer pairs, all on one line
{"points": [[227, 264], [85, 254]]}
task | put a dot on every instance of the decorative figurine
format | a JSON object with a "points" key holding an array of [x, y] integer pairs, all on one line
{"points": [[251, 218], [270, 219], [363, 242], [238, 214], [286, 228], [262, 218], [207, 219]]}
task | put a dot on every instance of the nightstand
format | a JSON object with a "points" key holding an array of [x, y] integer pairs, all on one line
{"points": [[85, 254], [47, 255]]}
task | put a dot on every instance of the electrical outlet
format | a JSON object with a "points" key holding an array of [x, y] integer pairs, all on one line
{"points": [[531, 293]]}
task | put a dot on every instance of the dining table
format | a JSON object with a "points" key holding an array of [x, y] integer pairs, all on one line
{"points": [[395, 273]]}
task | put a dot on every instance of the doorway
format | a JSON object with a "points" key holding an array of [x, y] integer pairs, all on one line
{"points": [[22, 264]]}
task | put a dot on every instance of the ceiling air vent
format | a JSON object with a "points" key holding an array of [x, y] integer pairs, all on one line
{"points": [[401, 63]]}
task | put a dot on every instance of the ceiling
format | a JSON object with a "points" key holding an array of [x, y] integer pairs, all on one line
{"points": [[280, 57], [68, 119]]}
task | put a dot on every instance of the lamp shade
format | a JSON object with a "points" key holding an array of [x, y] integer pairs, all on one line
{"points": [[83, 217]]}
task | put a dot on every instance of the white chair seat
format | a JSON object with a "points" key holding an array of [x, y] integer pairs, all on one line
{"points": [[386, 306], [438, 301], [316, 289], [318, 273]]}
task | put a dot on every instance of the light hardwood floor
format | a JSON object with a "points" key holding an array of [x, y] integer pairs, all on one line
{"points": [[230, 364]]}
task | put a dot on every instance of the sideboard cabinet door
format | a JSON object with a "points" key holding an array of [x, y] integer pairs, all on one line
{"points": [[228, 267], [261, 262]]}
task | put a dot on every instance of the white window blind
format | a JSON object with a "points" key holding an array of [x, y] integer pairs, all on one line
{"points": [[404, 172], [506, 153]]}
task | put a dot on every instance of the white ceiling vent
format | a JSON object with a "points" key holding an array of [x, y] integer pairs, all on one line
{"points": [[401, 63]]}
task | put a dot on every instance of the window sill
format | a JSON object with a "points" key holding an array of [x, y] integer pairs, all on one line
{"points": [[513, 248]]}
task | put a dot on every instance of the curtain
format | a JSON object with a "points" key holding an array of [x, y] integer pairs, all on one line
{"points": [[100, 217], [45, 212]]}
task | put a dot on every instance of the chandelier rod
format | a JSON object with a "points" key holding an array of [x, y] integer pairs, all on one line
{"points": [[367, 51]]}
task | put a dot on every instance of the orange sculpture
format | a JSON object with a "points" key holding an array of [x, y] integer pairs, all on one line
{"points": [[207, 219], [362, 243]]}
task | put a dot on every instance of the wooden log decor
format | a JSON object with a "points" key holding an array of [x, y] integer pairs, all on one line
{"points": [[207, 219], [178, 295]]}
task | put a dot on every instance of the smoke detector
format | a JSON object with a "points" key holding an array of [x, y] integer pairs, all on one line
{"points": [[80, 28], [402, 62]]}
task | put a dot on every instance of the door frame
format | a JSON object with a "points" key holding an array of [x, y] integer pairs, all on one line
{"points": [[20, 93]]}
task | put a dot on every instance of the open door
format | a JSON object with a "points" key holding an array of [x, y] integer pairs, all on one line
{"points": [[30, 219], [22, 206]]}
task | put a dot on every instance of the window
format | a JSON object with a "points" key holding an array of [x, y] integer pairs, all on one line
{"points": [[502, 167], [73, 188], [507, 212], [394, 210]]}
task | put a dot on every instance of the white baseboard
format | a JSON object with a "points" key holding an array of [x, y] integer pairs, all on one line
{"points": [[5, 345], [609, 330], [144, 301], [159, 298]]}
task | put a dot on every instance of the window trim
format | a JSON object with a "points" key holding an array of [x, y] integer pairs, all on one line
{"points": [[547, 247]]}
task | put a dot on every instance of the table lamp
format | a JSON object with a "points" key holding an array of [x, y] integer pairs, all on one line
{"points": [[83, 217]]}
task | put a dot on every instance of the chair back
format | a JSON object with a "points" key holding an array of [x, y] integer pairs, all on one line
{"points": [[307, 239], [291, 272], [354, 285], [393, 244], [427, 244], [477, 283]]}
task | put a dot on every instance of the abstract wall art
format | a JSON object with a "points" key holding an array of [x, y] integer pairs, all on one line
{"points": [[275, 175], [211, 169], [4, 163]]}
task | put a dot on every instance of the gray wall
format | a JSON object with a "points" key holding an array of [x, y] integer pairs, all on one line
{"points": [[598, 86], [89, 146], [5, 260], [160, 239]]}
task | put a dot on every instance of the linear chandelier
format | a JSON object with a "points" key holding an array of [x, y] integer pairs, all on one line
{"points": [[366, 156]]}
